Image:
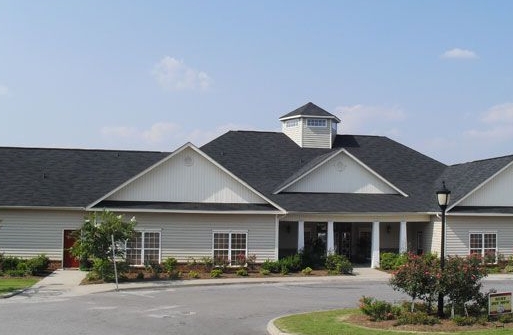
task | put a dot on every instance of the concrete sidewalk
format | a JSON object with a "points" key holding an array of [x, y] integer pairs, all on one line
{"points": [[67, 282]]}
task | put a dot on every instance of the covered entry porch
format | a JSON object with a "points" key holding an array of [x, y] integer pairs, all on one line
{"points": [[360, 240]]}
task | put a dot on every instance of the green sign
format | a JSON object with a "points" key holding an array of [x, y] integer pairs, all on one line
{"points": [[499, 303]]}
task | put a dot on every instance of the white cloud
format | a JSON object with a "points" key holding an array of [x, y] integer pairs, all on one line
{"points": [[369, 119], [119, 131], [497, 124], [175, 75], [457, 53], [160, 131], [4, 90], [499, 113]]}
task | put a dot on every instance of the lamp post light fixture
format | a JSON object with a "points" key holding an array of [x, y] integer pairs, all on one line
{"points": [[443, 196]]}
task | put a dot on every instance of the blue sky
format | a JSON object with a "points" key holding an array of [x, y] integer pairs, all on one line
{"points": [[151, 75]]}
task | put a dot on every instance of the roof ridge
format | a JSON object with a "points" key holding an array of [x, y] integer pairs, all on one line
{"points": [[83, 149], [483, 160]]}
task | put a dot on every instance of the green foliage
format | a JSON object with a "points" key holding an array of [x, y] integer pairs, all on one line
{"points": [[508, 268], [468, 320], [417, 318], [154, 268], [251, 261], [307, 271], [10, 263], [103, 269], [271, 266], [140, 276], [242, 272], [461, 279], [216, 273], [16, 273], [169, 264], [392, 261], [94, 237], [264, 272], [505, 318], [193, 274], [418, 278], [338, 264], [291, 263], [38, 265], [378, 310], [208, 262]]}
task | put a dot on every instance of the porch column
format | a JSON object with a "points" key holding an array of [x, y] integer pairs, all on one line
{"points": [[300, 235], [402, 238], [375, 245], [330, 245]]}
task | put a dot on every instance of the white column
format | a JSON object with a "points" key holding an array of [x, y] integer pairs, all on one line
{"points": [[375, 245], [402, 238], [300, 235], [330, 245], [276, 237]]}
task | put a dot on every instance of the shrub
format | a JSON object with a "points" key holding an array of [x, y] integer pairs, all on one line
{"points": [[468, 320], [154, 268], [505, 318], [169, 264], [337, 264], [416, 318], [208, 262], [140, 276], [307, 271], [271, 266], [264, 272], [216, 273], [251, 261], [104, 269], [23, 268], [378, 310], [242, 272], [16, 273], [38, 265], [508, 268], [292, 263], [193, 274], [10, 263], [388, 261]]}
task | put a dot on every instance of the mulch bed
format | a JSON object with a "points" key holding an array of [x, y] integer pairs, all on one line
{"points": [[446, 325]]}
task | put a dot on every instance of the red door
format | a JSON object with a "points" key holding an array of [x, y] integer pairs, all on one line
{"points": [[68, 261]]}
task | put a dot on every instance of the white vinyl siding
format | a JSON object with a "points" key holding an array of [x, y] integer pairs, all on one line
{"points": [[497, 192], [28, 233], [185, 236], [459, 228], [316, 137], [342, 174], [294, 133], [187, 177]]}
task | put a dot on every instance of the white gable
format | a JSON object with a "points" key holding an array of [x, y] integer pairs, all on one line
{"points": [[341, 174], [187, 176], [498, 191]]}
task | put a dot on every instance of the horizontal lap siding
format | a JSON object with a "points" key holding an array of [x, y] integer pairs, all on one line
{"points": [[30, 233], [186, 236], [458, 229]]}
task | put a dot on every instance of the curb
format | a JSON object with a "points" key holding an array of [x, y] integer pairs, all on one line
{"points": [[272, 329], [13, 293]]}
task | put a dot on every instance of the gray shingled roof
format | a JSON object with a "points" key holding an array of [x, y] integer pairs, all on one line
{"points": [[66, 177], [265, 160], [463, 178], [310, 109]]}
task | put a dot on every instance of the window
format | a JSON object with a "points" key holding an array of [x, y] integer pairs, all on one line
{"points": [[316, 122], [143, 248], [228, 246], [485, 245], [291, 123]]}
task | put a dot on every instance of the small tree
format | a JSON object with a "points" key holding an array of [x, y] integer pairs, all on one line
{"points": [[94, 239], [418, 278], [461, 280]]}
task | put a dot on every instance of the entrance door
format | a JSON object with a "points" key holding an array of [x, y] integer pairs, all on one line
{"points": [[68, 261]]}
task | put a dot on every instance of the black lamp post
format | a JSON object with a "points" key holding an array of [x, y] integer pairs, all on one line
{"points": [[443, 196]]}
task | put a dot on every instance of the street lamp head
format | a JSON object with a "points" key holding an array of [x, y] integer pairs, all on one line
{"points": [[443, 196]]}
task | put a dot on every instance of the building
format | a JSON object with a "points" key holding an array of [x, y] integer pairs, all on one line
{"points": [[267, 194]]}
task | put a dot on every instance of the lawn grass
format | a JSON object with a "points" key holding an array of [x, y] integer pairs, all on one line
{"points": [[328, 323], [12, 284]]}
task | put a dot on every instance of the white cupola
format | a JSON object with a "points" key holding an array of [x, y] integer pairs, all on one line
{"points": [[310, 126]]}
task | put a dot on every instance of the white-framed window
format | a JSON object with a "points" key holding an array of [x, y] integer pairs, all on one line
{"points": [[316, 122], [143, 248], [292, 123], [229, 246], [484, 244]]}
